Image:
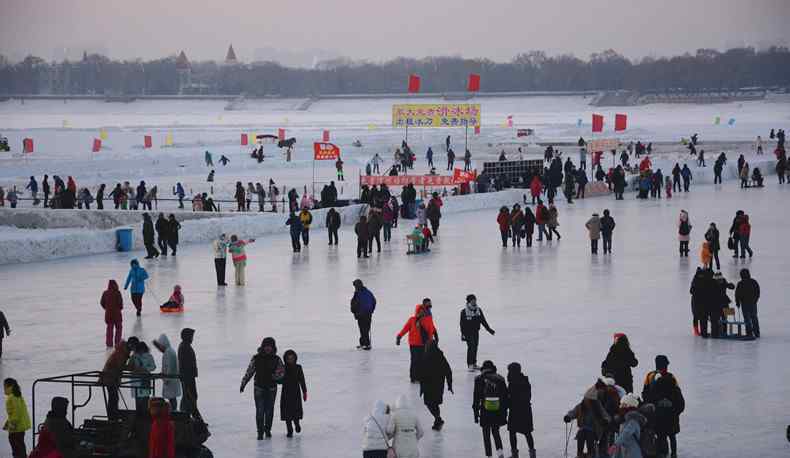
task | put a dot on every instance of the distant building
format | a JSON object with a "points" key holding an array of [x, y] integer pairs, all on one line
{"points": [[184, 70], [230, 57]]}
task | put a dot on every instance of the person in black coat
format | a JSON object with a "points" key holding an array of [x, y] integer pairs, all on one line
{"points": [[293, 393], [434, 373], [747, 293], [362, 230], [162, 227], [471, 319], [712, 237], [490, 404], [296, 231], [661, 389], [699, 298], [332, 225], [148, 237], [619, 361], [519, 420], [188, 370], [173, 227]]}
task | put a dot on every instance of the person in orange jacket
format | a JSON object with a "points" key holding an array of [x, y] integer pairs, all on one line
{"points": [[162, 439], [706, 256], [421, 330]]}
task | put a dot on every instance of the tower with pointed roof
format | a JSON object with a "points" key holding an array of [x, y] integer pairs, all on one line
{"points": [[184, 70], [230, 57]]}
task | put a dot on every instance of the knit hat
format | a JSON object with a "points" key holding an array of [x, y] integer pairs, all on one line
{"points": [[488, 366], [514, 368], [662, 362], [629, 401]]}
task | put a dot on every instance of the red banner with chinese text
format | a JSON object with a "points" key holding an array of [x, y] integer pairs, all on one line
{"points": [[325, 151]]}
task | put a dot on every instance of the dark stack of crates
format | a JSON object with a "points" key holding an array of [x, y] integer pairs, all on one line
{"points": [[513, 171]]}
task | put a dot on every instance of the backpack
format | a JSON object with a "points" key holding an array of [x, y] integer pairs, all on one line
{"points": [[685, 228], [491, 402]]}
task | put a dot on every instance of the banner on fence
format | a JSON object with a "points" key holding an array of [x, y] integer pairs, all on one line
{"points": [[96, 145], [458, 177], [244, 139], [27, 145], [148, 142], [603, 144], [436, 115], [323, 151]]}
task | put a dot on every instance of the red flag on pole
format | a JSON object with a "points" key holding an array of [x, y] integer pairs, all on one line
{"points": [[326, 136], [96, 145], [281, 134], [27, 145], [148, 142], [325, 151], [597, 123], [474, 83], [244, 140], [414, 84], [620, 122]]}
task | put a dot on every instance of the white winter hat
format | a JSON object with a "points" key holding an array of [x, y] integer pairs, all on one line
{"points": [[629, 401], [609, 381]]}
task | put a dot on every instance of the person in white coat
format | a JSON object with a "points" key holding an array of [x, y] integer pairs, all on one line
{"points": [[171, 388], [405, 429], [375, 441]]}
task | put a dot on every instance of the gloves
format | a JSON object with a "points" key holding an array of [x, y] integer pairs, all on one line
{"points": [[567, 419], [450, 389], [304, 396], [241, 389], [397, 340], [463, 338], [493, 332], [477, 420]]}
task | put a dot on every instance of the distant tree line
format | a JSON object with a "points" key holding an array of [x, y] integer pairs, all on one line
{"points": [[532, 71]]}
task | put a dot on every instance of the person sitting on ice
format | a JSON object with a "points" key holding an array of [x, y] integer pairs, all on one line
{"points": [[224, 160], [757, 177], [175, 303], [416, 239]]}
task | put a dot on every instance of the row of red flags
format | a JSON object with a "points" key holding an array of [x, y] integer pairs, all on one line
{"points": [[620, 122], [472, 83]]}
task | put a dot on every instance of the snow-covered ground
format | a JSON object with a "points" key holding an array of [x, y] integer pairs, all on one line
{"points": [[554, 308]]}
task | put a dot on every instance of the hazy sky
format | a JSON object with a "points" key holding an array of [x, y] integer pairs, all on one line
{"points": [[379, 29]]}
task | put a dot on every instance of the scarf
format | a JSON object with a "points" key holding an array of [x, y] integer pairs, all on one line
{"points": [[471, 311]]}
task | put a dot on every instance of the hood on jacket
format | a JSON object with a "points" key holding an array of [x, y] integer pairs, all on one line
{"points": [[268, 341], [287, 354], [112, 285], [636, 416], [134, 263], [379, 409], [163, 341], [177, 289], [187, 334]]}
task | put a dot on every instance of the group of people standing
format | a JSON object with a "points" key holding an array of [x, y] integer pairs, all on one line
{"points": [[517, 224], [166, 231]]}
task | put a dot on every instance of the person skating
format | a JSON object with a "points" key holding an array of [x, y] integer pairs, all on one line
{"points": [[450, 158], [332, 225], [593, 226], [173, 226], [735, 232], [700, 296], [471, 319], [607, 228], [591, 419], [661, 389], [112, 303], [535, 189], [180, 193], [405, 429], [374, 229], [148, 237], [5, 331], [45, 189], [685, 173], [136, 278], [553, 222], [516, 225], [268, 370], [388, 218], [490, 405], [467, 161], [362, 230], [434, 372], [295, 223], [238, 253], [712, 237], [339, 169], [529, 225], [627, 443], [294, 392], [307, 219], [684, 231], [747, 294], [744, 234], [363, 304], [220, 247], [619, 362], [162, 228], [375, 441], [421, 330], [187, 367], [519, 420], [17, 420], [240, 196], [541, 218], [171, 387], [434, 212], [503, 220]]}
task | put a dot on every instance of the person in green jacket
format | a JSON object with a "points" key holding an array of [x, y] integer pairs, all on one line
{"points": [[18, 421]]}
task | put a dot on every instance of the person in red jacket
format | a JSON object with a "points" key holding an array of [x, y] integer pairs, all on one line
{"points": [[162, 440], [112, 303], [535, 189], [503, 219], [421, 330], [541, 219], [744, 233]]}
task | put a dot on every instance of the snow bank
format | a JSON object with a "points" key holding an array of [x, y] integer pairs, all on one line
{"points": [[39, 218]]}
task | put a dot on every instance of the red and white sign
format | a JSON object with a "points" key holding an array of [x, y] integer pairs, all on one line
{"points": [[281, 134], [460, 176], [603, 144], [325, 151], [620, 122], [96, 145], [27, 145], [244, 140], [325, 137]]}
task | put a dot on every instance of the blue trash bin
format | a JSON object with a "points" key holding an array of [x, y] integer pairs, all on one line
{"points": [[125, 239]]}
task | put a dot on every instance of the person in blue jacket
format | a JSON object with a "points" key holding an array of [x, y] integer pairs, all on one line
{"points": [[136, 278], [180, 193], [363, 304], [296, 231]]}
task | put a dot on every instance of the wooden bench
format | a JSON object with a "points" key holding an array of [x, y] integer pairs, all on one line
{"points": [[730, 321]]}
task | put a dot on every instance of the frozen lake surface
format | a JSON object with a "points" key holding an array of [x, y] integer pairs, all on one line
{"points": [[554, 308]]}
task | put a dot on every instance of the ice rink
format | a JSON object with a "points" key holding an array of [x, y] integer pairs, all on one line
{"points": [[554, 307]]}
